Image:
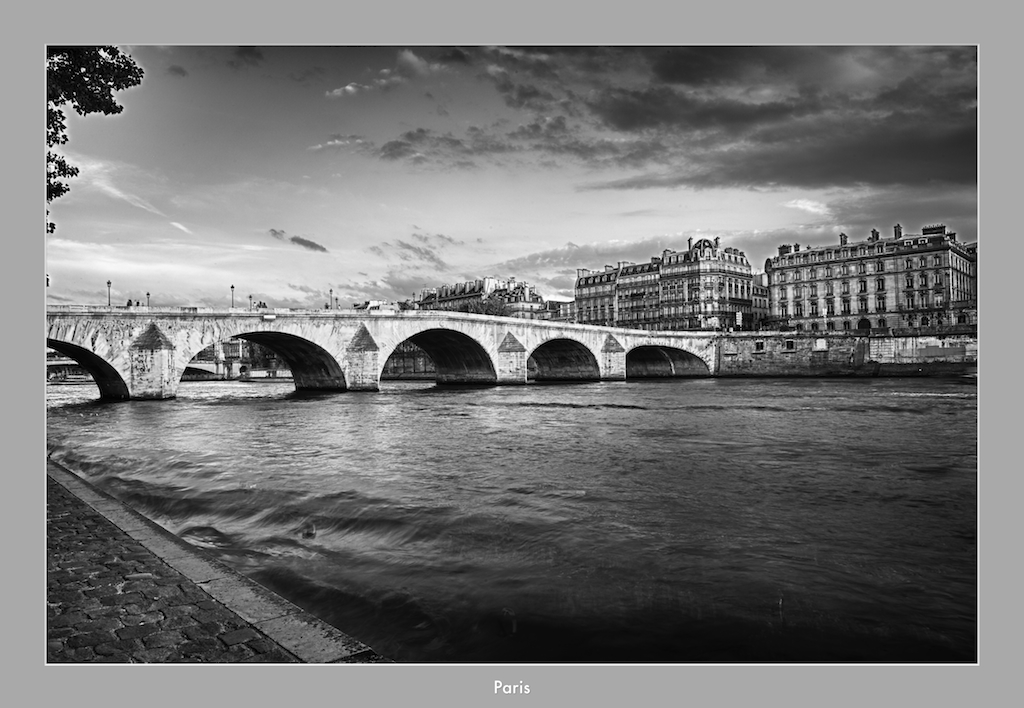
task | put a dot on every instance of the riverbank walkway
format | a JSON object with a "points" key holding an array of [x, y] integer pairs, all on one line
{"points": [[121, 589]]}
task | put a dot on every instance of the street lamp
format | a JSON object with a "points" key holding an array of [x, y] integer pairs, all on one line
{"points": [[232, 297], [250, 303], [108, 293], [147, 299], [331, 298]]}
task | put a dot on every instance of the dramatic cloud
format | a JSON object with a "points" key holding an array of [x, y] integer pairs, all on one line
{"points": [[311, 74], [297, 240], [338, 142], [708, 117], [808, 205], [244, 57], [306, 243], [408, 66]]}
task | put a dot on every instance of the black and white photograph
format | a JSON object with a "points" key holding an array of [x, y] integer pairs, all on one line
{"points": [[512, 355]]}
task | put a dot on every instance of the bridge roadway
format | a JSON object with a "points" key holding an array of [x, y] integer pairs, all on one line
{"points": [[142, 352]]}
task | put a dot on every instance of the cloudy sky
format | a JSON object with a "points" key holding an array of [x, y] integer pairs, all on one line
{"points": [[376, 171]]}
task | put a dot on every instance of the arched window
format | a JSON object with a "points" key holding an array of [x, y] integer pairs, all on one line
{"points": [[881, 322]]}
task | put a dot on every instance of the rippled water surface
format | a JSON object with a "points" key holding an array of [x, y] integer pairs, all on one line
{"points": [[677, 520]]}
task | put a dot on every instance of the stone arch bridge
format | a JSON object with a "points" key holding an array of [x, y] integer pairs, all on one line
{"points": [[142, 352]]}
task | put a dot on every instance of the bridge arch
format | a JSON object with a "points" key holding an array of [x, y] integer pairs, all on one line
{"points": [[312, 366], [458, 357], [563, 359], [109, 380], [658, 361]]}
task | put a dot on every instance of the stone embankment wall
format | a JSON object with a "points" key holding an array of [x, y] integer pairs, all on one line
{"points": [[842, 354]]}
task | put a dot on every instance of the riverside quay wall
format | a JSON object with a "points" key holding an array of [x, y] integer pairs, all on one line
{"points": [[846, 354]]}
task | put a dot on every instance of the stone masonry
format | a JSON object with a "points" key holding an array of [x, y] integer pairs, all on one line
{"points": [[111, 598]]}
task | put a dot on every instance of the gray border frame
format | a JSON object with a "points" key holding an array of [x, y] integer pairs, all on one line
{"points": [[448, 22]]}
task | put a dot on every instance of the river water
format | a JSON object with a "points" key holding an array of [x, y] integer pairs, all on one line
{"points": [[683, 521]]}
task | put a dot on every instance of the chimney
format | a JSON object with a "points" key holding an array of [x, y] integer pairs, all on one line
{"points": [[716, 241], [897, 231], [796, 248], [689, 244], [874, 234], [842, 239], [783, 250]]}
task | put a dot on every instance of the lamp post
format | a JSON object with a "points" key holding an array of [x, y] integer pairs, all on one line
{"points": [[335, 303], [147, 299], [232, 297], [250, 303], [330, 299], [108, 293]]}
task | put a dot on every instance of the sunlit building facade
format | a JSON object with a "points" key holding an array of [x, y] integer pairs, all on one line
{"points": [[706, 287], [925, 280]]}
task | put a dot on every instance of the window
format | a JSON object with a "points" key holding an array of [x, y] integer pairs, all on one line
{"points": [[814, 308], [846, 325], [758, 346], [846, 307], [814, 326], [862, 286], [923, 280], [862, 267], [881, 322], [908, 264], [880, 267], [936, 260], [880, 284], [910, 281], [799, 328], [798, 309], [813, 273], [814, 289], [846, 287], [831, 326], [830, 308], [910, 300], [862, 304], [790, 345], [846, 269], [879, 303], [829, 289]]}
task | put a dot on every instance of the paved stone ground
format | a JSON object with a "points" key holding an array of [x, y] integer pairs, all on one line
{"points": [[111, 599]]}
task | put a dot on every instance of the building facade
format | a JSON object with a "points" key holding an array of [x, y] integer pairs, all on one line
{"points": [[595, 295], [709, 287], [704, 287], [910, 280], [638, 295], [519, 297]]}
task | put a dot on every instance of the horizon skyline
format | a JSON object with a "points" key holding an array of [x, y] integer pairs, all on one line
{"points": [[377, 171]]}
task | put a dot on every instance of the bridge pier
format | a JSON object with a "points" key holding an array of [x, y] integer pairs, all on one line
{"points": [[511, 363], [151, 372], [613, 360]]}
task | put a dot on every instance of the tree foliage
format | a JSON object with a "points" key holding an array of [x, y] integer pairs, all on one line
{"points": [[487, 306], [84, 78]]}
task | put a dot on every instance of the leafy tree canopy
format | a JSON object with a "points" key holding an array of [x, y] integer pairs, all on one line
{"points": [[487, 306], [86, 78]]}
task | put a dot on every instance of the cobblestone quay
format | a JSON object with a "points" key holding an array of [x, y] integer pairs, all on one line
{"points": [[120, 589]]}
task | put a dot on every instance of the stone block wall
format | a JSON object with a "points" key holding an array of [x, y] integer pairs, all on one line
{"points": [[830, 354]]}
